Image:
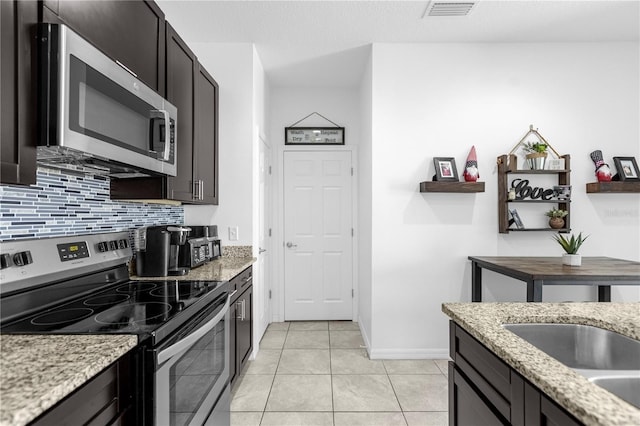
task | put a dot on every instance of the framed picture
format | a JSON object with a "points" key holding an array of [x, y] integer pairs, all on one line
{"points": [[446, 169], [515, 218], [555, 163], [627, 168], [314, 135], [562, 192]]}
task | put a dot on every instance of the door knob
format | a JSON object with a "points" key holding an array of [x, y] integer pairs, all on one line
{"points": [[261, 250], [291, 245]]}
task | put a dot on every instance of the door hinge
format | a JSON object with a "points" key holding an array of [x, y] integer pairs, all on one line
{"points": [[352, 293], [352, 232], [269, 169], [352, 171], [269, 294], [269, 231]]}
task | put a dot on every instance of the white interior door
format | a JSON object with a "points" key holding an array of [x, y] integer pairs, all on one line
{"points": [[318, 259], [264, 238]]}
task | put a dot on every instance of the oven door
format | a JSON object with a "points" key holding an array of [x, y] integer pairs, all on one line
{"points": [[192, 372]]}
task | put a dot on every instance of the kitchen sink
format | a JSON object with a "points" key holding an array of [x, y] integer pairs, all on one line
{"points": [[582, 347], [625, 387]]}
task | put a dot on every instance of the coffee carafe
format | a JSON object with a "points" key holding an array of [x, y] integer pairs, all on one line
{"points": [[178, 238]]}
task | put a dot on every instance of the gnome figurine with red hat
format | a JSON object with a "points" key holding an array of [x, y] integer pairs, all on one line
{"points": [[603, 172], [471, 173]]}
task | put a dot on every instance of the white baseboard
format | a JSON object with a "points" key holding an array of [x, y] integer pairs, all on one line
{"points": [[365, 337], [409, 353], [401, 353]]}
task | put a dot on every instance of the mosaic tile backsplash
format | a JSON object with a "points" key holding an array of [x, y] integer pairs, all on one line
{"points": [[62, 204]]}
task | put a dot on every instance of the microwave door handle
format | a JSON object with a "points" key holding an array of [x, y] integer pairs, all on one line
{"points": [[167, 133], [192, 338]]}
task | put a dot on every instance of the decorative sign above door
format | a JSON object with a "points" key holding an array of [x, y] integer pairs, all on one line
{"points": [[314, 135]]}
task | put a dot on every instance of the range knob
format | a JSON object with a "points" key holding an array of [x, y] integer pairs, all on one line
{"points": [[5, 261], [103, 246], [22, 258]]}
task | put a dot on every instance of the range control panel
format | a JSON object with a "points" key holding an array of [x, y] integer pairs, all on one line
{"points": [[70, 251], [24, 263]]}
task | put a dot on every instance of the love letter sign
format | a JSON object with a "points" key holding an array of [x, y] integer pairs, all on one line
{"points": [[523, 190]]}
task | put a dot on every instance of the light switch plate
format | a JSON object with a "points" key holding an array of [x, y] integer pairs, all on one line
{"points": [[233, 233]]}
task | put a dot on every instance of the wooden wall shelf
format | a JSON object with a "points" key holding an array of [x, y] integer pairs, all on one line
{"points": [[613, 187], [537, 172], [562, 230], [507, 166], [462, 187]]}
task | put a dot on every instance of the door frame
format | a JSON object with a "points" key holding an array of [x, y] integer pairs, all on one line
{"points": [[266, 210], [277, 301]]}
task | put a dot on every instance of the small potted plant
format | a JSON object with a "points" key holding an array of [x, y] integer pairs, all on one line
{"points": [[536, 154], [556, 218], [571, 246]]}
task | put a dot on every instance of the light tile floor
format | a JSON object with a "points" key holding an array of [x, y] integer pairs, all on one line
{"points": [[318, 373]]}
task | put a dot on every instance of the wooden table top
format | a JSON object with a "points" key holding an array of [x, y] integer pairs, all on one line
{"points": [[552, 267]]}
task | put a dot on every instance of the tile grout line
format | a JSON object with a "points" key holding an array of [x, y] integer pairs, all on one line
{"points": [[395, 394], [264, 410], [333, 407]]}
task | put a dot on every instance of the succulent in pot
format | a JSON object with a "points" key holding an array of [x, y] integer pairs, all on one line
{"points": [[556, 218], [571, 246], [536, 154], [535, 147]]}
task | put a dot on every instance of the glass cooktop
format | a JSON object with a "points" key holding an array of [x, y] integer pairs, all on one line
{"points": [[134, 307]]}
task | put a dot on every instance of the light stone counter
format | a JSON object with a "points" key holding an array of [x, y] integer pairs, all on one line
{"points": [[588, 402], [222, 269], [38, 371], [234, 260]]}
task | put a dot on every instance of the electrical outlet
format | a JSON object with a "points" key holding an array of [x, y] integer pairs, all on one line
{"points": [[233, 233]]}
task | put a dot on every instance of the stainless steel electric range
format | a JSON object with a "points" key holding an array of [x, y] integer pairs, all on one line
{"points": [[80, 285]]}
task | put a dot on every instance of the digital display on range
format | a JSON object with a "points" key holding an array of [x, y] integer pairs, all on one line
{"points": [[73, 251]]}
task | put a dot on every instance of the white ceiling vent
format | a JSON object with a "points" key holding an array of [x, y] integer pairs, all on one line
{"points": [[448, 8]]}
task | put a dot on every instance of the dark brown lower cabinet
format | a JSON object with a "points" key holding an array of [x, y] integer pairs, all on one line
{"points": [[107, 399], [484, 390], [241, 328]]}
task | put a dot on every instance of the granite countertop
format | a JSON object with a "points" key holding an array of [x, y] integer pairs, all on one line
{"points": [[588, 402], [37, 371], [222, 269]]}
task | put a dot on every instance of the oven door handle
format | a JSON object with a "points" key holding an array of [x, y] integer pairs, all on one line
{"points": [[193, 337]]}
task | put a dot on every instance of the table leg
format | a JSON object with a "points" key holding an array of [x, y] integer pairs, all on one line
{"points": [[534, 291], [604, 293], [476, 282]]}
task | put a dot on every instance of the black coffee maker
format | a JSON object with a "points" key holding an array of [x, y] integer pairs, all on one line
{"points": [[158, 250], [152, 251]]}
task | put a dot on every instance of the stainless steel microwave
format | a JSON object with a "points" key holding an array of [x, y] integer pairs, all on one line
{"points": [[95, 116]]}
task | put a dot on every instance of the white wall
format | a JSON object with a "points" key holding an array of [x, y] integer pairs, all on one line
{"points": [[231, 64], [364, 205], [438, 100], [339, 104]]}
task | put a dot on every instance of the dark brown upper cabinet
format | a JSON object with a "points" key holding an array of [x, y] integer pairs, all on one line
{"points": [[205, 159], [17, 92], [181, 76], [130, 32], [195, 93]]}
